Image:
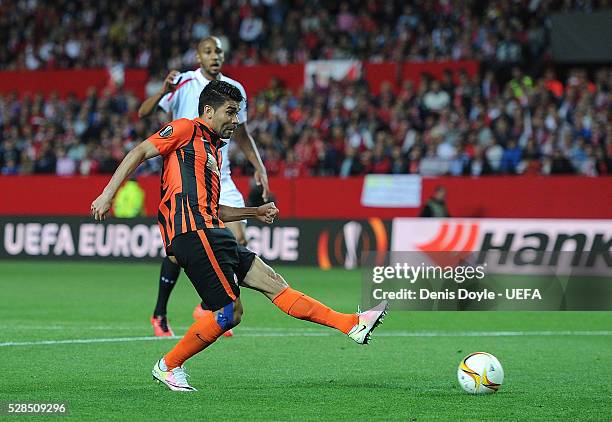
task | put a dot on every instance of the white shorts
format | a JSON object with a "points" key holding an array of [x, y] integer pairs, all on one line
{"points": [[230, 195]]}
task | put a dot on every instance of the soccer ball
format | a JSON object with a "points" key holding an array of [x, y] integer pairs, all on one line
{"points": [[480, 373]]}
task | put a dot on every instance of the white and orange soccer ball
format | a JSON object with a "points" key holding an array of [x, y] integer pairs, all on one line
{"points": [[480, 373]]}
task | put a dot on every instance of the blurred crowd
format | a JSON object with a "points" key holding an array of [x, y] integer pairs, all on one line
{"points": [[459, 125], [161, 34], [69, 136]]}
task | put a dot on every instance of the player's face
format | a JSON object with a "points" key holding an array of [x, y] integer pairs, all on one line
{"points": [[210, 56], [225, 119]]}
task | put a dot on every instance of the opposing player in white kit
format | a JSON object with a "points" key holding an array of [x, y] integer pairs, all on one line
{"points": [[179, 97]]}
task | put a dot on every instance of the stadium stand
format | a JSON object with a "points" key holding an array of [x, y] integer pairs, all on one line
{"points": [[531, 122], [153, 34], [474, 127]]}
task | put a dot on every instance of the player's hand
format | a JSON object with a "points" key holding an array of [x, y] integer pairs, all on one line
{"points": [[261, 178], [267, 213], [100, 207], [169, 84]]}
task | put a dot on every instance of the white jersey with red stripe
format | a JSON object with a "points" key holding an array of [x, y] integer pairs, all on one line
{"points": [[183, 103]]}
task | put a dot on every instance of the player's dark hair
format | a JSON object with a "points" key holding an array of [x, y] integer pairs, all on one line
{"points": [[216, 93]]}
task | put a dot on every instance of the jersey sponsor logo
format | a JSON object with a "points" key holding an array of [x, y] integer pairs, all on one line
{"points": [[166, 132]]}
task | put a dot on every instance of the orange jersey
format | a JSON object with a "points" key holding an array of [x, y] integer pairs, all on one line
{"points": [[190, 181]]}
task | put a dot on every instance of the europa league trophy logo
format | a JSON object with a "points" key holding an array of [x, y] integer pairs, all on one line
{"points": [[352, 233]]}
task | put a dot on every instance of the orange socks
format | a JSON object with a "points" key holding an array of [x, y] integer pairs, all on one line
{"points": [[206, 330], [200, 335], [300, 306]]}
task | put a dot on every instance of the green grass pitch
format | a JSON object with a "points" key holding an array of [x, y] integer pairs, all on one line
{"points": [[279, 368]]}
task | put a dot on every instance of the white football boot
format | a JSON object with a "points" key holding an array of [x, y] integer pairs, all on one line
{"points": [[368, 321], [175, 379]]}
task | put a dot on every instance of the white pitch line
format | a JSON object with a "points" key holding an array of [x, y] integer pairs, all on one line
{"points": [[68, 327], [4, 327], [149, 338], [321, 333]]}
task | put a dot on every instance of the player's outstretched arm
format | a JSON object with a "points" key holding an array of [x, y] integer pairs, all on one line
{"points": [[266, 213], [148, 106], [142, 152], [247, 145]]}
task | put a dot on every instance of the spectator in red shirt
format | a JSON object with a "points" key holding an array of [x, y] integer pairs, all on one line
{"points": [[381, 164], [291, 168]]}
